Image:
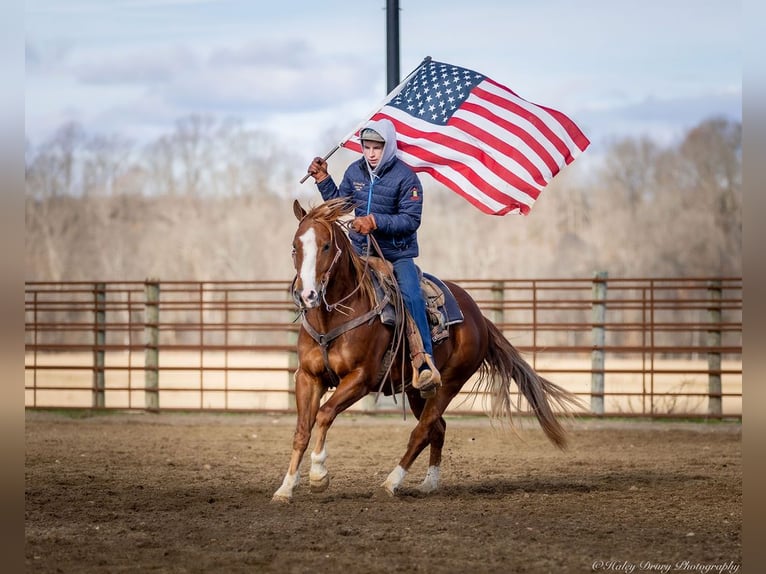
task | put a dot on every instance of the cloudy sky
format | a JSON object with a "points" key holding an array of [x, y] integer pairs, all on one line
{"points": [[309, 71]]}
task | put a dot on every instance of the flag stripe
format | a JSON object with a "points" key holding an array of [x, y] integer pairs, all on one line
{"points": [[451, 140], [565, 130], [551, 130], [510, 122], [477, 137], [466, 188], [579, 140], [519, 140], [474, 199], [463, 170], [506, 149], [458, 176], [470, 193], [454, 140]]}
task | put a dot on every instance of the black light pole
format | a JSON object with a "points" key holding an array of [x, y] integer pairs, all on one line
{"points": [[392, 62], [392, 44]]}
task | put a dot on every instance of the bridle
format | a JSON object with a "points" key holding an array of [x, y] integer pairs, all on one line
{"points": [[322, 286]]}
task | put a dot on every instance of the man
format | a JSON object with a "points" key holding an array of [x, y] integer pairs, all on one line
{"points": [[389, 203]]}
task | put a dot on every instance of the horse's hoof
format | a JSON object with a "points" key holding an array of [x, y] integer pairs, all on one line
{"points": [[320, 485], [389, 489], [281, 499], [390, 493], [429, 393]]}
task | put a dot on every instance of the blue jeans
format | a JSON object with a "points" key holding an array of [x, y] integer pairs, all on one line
{"points": [[407, 276]]}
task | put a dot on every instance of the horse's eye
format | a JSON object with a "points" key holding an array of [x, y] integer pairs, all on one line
{"points": [[326, 247]]}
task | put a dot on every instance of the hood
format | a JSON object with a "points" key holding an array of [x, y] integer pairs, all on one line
{"points": [[385, 128]]}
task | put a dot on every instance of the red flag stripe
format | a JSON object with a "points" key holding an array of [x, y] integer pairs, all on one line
{"points": [[522, 135], [563, 127], [534, 118], [458, 177], [509, 207], [463, 175], [463, 146], [502, 147], [464, 172], [578, 138], [490, 180], [451, 135], [451, 177]]}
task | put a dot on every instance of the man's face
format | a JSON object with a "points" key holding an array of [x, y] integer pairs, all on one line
{"points": [[372, 151]]}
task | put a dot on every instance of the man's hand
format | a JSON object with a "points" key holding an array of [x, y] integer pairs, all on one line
{"points": [[364, 225], [318, 169]]}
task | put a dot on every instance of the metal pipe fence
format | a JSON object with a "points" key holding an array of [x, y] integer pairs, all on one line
{"points": [[649, 347]]}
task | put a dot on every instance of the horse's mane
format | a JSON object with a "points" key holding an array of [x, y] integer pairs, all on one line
{"points": [[329, 214]]}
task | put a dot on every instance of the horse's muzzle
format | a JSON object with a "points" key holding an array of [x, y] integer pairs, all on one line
{"points": [[309, 298]]}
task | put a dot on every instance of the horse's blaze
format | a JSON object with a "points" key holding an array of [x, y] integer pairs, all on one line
{"points": [[307, 272]]}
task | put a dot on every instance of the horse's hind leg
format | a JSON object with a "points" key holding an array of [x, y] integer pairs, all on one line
{"points": [[430, 430], [436, 442]]}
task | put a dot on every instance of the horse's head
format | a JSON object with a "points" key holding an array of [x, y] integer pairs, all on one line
{"points": [[317, 246]]}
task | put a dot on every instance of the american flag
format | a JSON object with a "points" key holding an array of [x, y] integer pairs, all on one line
{"points": [[477, 137]]}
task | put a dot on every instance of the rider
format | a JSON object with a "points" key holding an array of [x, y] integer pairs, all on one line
{"points": [[389, 203]]}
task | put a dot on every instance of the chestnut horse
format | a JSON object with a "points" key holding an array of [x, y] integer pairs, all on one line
{"points": [[342, 344]]}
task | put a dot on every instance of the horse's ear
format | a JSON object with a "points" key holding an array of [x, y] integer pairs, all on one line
{"points": [[299, 212]]}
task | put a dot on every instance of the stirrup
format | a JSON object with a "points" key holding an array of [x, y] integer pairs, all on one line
{"points": [[428, 380]]}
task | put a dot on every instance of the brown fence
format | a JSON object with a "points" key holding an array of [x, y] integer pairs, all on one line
{"points": [[629, 347]]}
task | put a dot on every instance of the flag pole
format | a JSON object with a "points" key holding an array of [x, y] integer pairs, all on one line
{"points": [[391, 95]]}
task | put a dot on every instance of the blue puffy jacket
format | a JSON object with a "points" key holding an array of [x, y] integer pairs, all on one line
{"points": [[396, 200]]}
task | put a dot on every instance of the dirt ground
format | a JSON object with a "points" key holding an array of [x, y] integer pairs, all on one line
{"points": [[192, 493]]}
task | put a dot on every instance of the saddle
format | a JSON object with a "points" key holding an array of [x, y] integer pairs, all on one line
{"points": [[442, 308]]}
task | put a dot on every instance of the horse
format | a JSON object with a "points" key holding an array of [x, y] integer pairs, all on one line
{"points": [[342, 344]]}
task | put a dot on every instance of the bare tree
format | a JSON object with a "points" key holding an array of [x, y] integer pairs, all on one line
{"points": [[712, 154], [159, 159], [106, 159], [50, 188], [193, 139]]}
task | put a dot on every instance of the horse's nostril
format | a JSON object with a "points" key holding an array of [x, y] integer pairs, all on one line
{"points": [[310, 297]]}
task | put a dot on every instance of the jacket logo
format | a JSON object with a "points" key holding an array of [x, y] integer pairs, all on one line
{"points": [[414, 195], [358, 185]]}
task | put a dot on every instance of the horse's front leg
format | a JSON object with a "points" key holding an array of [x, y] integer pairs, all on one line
{"points": [[308, 392], [352, 388]]}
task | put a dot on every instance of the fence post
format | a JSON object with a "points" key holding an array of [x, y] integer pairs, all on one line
{"points": [[99, 340], [152, 342], [714, 356], [498, 299], [599, 339]]}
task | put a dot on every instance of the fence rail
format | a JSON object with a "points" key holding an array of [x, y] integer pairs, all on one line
{"points": [[652, 347]]}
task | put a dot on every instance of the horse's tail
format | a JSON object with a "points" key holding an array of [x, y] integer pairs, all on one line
{"points": [[503, 363]]}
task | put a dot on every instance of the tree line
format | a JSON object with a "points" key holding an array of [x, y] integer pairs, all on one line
{"points": [[211, 200]]}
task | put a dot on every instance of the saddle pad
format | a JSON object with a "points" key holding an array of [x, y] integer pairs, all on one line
{"points": [[450, 310]]}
